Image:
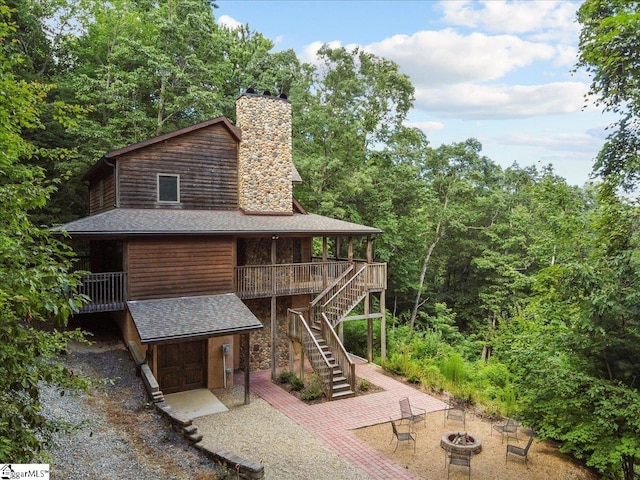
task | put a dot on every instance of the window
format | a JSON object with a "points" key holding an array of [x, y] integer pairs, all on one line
{"points": [[168, 188]]}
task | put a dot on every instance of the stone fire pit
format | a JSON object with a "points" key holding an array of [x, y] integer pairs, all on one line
{"points": [[460, 442]]}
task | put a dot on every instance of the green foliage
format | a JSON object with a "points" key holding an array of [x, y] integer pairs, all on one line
{"points": [[364, 386], [286, 376], [314, 390], [36, 288], [453, 368], [608, 42], [296, 383]]}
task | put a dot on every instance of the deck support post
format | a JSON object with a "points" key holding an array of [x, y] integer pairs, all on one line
{"points": [[367, 308], [247, 367], [383, 327], [274, 320]]}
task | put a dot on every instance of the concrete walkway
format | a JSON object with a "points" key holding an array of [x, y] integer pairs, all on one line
{"points": [[331, 422]]}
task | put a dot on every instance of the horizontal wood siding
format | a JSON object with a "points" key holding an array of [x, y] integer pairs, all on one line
{"points": [[102, 198], [162, 268], [206, 161]]}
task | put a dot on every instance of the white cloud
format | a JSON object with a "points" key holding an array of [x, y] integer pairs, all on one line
{"points": [[571, 142], [426, 127], [228, 22], [549, 18], [499, 102], [445, 56]]}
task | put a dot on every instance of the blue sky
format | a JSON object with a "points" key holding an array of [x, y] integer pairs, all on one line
{"points": [[498, 71]]}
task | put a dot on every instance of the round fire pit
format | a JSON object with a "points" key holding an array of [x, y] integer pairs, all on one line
{"points": [[460, 442]]}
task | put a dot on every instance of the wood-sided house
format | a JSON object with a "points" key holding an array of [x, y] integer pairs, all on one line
{"points": [[199, 250]]}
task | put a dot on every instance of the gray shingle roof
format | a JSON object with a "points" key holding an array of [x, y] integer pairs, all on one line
{"points": [[158, 221], [191, 317]]}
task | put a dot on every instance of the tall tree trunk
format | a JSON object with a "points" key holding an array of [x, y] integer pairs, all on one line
{"points": [[425, 263]]}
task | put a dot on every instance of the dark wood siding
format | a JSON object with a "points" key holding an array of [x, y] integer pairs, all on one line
{"points": [[205, 159], [102, 195], [177, 267]]}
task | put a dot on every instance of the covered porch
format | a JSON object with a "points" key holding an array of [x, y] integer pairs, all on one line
{"points": [[193, 342]]}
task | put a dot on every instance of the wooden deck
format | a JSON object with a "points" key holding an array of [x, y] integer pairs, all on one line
{"points": [[108, 291]]}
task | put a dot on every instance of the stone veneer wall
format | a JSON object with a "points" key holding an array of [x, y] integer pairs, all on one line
{"points": [[260, 355], [264, 157]]}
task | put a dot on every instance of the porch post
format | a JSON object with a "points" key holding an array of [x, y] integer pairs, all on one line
{"points": [[247, 367], [369, 250], [367, 308], [325, 274], [383, 327], [350, 249], [274, 322]]}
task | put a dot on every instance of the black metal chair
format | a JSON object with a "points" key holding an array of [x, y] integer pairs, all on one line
{"points": [[412, 414], [508, 428], [456, 412], [402, 436], [460, 459], [519, 451]]}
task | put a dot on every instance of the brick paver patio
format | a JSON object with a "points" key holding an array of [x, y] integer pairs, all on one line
{"points": [[331, 422]]}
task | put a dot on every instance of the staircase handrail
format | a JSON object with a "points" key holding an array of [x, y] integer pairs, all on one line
{"points": [[317, 358], [341, 355], [355, 281], [316, 305], [331, 287]]}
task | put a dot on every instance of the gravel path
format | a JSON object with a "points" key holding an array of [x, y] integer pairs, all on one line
{"points": [[118, 434]]}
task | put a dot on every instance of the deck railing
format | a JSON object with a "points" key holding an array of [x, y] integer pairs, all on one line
{"points": [[107, 291], [256, 281]]}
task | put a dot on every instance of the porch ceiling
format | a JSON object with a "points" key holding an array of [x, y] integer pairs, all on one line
{"points": [[172, 319]]}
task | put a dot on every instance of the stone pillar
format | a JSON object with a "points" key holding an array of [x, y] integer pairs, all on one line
{"points": [[265, 165]]}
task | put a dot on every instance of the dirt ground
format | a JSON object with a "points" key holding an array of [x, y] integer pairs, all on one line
{"points": [[429, 461]]}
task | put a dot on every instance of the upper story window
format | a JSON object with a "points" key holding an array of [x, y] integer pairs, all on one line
{"points": [[168, 188]]}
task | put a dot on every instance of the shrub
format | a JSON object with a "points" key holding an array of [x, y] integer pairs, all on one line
{"points": [[313, 391], [453, 368], [296, 383], [364, 386], [286, 376]]}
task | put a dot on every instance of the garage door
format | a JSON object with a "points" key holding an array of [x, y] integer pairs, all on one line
{"points": [[182, 366]]}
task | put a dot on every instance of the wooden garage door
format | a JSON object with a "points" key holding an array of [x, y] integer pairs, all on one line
{"points": [[182, 366]]}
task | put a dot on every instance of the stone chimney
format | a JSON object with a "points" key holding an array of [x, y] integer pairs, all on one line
{"points": [[264, 156]]}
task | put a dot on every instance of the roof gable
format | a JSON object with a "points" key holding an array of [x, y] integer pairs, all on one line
{"points": [[223, 121]]}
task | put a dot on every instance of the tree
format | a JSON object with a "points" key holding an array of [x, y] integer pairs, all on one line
{"points": [[352, 101], [575, 347], [608, 50], [35, 284]]}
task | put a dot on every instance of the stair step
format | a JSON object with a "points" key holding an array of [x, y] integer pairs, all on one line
{"points": [[343, 394]]}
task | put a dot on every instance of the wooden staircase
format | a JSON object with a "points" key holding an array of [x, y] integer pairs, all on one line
{"points": [[316, 332], [340, 384]]}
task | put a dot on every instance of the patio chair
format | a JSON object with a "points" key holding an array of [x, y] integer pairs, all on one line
{"points": [[461, 459], [456, 412], [403, 436], [508, 428], [519, 451], [412, 414]]}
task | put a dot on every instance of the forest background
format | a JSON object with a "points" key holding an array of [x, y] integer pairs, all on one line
{"points": [[508, 287]]}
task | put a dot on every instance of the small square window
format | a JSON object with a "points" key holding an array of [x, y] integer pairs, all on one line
{"points": [[168, 188]]}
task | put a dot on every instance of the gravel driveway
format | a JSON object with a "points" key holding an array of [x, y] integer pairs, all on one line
{"points": [[118, 434]]}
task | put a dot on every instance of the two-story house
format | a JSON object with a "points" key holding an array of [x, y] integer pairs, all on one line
{"points": [[202, 255]]}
